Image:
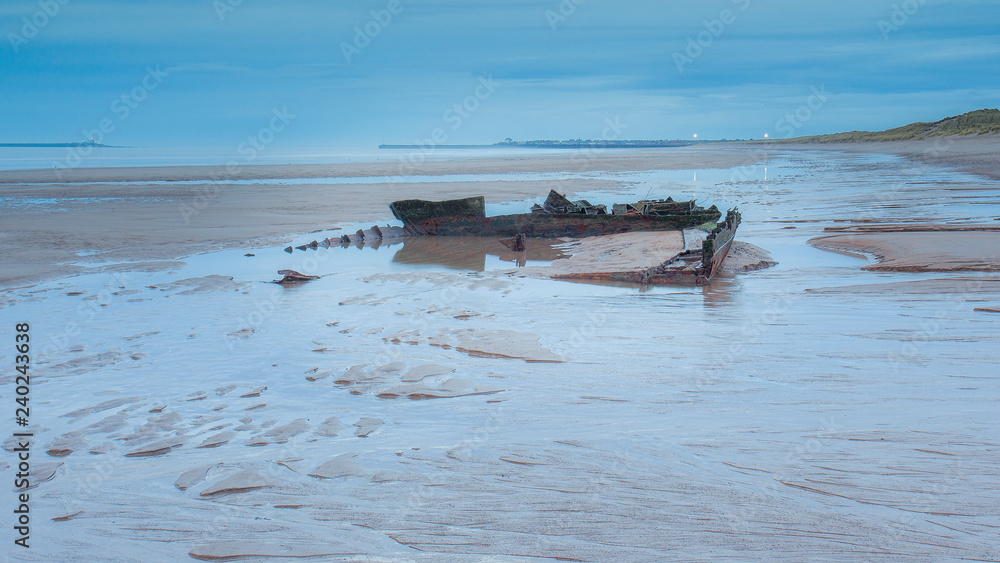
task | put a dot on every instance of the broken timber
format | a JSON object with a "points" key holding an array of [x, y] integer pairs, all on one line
{"points": [[689, 267], [363, 238], [292, 277]]}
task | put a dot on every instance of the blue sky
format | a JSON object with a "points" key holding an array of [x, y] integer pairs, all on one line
{"points": [[526, 69]]}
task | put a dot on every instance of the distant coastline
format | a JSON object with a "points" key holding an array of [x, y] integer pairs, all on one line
{"points": [[55, 145], [570, 144], [973, 123]]}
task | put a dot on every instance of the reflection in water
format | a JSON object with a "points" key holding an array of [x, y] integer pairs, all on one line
{"points": [[469, 253], [481, 254], [373, 244], [720, 290]]}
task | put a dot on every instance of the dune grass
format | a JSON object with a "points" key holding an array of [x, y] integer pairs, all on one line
{"points": [[979, 122]]}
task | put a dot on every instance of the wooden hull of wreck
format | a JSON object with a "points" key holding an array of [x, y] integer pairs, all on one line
{"points": [[701, 276], [467, 217], [689, 268], [542, 225]]}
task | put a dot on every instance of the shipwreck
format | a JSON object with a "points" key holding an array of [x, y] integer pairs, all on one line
{"points": [[558, 217]]}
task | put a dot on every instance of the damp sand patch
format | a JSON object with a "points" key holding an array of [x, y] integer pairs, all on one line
{"points": [[919, 248], [507, 344]]}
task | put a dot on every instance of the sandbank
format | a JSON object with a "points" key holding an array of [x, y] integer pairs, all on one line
{"points": [[920, 248]]}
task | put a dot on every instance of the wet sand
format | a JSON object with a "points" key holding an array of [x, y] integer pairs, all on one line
{"points": [[956, 286], [404, 163], [972, 154], [922, 248], [154, 226], [612, 253], [413, 411]]}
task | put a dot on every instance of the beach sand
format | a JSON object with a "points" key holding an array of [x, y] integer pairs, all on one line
{"points": [[407, 163], [405, 409]]}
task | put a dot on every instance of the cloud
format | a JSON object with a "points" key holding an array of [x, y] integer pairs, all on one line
{"points": [[605, 59]]}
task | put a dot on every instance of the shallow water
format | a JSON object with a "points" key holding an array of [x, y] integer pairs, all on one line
{"points": [[747, 419]]}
